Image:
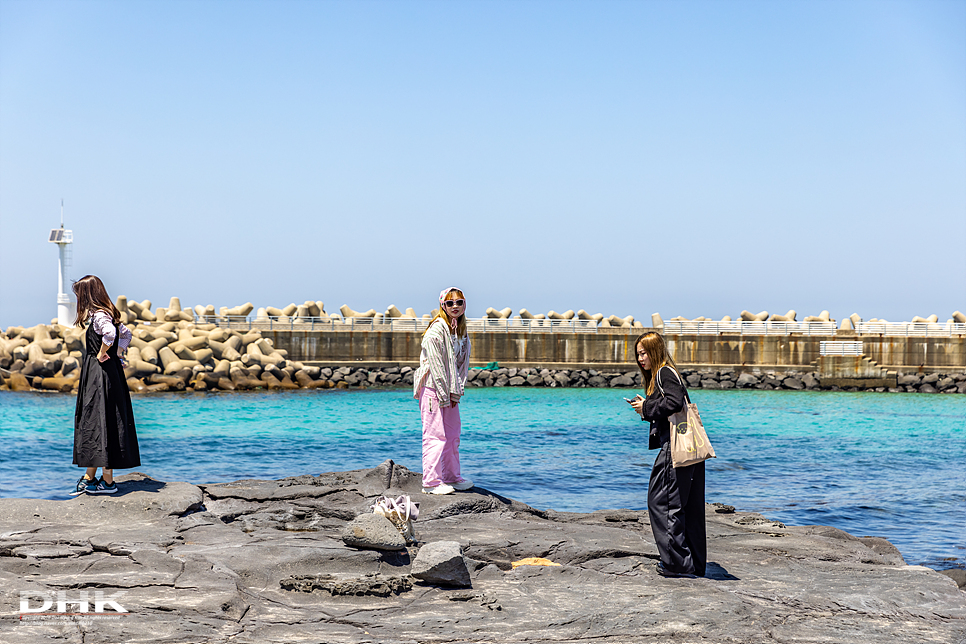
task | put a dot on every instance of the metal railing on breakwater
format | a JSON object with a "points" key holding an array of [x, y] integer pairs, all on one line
{"points": [[742, 327], [911, 329], [509, 325], [477, 325]]}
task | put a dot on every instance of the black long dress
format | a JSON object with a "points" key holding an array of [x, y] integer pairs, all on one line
{"points": [[675, 495], [104, 433]]}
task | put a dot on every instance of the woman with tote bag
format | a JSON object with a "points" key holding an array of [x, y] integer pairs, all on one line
{"points": [[675, 495]]}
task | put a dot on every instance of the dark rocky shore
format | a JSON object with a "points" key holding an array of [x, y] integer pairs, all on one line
{"points": [[264, 562]]}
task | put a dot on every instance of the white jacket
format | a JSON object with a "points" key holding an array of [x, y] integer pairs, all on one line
{"points": [[438, 364]]}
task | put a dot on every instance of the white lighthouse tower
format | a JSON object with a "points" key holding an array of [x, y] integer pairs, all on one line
{"points": [[63, 239]]}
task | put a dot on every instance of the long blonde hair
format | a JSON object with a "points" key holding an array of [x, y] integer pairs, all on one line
{"points": [[656, 349], [441, 314]]}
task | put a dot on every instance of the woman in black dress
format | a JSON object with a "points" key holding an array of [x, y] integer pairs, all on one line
{"points": [[104, 433], [675, 495]]}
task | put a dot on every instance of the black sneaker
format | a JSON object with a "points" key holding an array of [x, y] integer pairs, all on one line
{"points": [[103, 487], [83, 485]]}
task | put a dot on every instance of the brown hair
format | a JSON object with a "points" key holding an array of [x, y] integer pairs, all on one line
{"points": [[441, 314], [656, 349], [92, 296]]}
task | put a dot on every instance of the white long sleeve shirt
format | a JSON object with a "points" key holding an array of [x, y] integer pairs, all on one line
{"points": [[104, 326], [444, 362]]}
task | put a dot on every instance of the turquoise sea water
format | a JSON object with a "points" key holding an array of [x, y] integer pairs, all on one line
{"points": [[889, 465]]}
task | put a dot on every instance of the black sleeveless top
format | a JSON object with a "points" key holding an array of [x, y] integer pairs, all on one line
{"points": [[104, 431]]}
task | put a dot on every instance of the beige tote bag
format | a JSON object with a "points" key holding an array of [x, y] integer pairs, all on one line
{"points": [[689, 441]]}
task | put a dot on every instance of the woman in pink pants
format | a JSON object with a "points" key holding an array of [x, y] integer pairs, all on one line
{"points": [[438, 385]]}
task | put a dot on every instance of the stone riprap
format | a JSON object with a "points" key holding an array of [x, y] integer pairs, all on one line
{"points": [[702, 379], [296, 375], [166, 356], [264, 562]]}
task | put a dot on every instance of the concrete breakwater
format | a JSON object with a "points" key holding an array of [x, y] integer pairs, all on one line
{"points": [[179, 356], [201, 349], [613, 349]]}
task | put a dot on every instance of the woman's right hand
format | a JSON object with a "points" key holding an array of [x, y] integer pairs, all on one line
{"points": [[638, 404]]}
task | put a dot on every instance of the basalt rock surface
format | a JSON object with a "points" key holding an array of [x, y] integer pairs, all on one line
{"points": [[263, 562]]}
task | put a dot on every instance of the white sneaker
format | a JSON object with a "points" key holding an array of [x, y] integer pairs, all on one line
{"points": [[465, 484], [442, 488]]}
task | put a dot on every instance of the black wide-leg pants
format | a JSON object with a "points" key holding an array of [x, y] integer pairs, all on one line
{"points": [[675, 505]]}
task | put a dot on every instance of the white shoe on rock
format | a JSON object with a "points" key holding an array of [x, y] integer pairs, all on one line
{"points": [[465, 484], [442, 488]]}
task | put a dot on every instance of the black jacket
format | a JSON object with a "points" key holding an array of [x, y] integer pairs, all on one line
{"points": [[658, 408]]}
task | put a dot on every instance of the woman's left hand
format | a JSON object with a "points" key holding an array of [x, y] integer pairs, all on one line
{"points": [[103, 357], [638, 404]]}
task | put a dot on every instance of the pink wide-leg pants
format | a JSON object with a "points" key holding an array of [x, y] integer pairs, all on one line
{"points": [[441, 440]]}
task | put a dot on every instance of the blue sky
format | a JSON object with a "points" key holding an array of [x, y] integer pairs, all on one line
{"points": [[690, 158]]}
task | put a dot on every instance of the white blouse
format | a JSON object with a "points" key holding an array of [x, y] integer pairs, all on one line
{"points": [[444, 362], [104, 326]]}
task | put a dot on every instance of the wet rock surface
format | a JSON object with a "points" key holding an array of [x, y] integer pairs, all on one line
{"points": [[264, 561]]}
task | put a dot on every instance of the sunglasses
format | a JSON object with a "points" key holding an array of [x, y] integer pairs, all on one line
{"points": [[452, 303]]}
